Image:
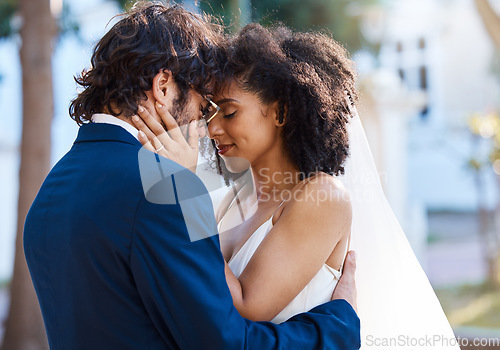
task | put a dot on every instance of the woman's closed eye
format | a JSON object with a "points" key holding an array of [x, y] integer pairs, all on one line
{"points": [[229, 116]]}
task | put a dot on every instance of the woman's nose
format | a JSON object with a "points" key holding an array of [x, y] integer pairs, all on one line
{"points": [[214, 128]]}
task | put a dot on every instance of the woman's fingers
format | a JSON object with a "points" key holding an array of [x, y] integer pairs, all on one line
{"points": [[154, 145], [155, 128], [141, 126], [152, 142], [173, 128], [143, 139], [171, 144], [159, 147]]}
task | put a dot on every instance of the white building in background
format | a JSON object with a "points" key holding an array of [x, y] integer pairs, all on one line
{"points": [[432, 73], [442, 48]]}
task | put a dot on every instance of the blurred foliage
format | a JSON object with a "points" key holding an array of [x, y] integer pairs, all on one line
{"points": [[471, 305], [487, 127], [485, 130], [125, 4], [67, 23], [7, 10], [342, 18]]}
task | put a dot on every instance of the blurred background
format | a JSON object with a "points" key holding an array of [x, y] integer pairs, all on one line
{"points": [[429, 76]]}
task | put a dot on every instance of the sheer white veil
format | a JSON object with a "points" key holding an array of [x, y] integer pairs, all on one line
{"points": [[397, 306]]}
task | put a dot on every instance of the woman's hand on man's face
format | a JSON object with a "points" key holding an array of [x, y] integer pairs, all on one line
{"points": [[167, 140]]}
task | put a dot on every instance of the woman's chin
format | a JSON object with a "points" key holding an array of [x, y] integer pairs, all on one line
{"points": [[236, 164]]}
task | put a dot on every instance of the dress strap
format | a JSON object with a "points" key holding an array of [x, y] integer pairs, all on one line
{"points": [[334, 272], [272, 216], [348, 243], [346, 251], [279, 206], [301, 182]]}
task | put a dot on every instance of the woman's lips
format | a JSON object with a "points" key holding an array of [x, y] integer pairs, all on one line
{"points": [[224, 148]]}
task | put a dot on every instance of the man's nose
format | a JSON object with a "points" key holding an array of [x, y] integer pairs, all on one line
{"points": [[202, 130]]}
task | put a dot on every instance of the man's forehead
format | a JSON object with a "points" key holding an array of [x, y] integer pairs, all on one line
{"points": [[200, 95], [206, 89]]}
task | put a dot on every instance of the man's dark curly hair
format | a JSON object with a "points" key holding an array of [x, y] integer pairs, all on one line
{"points": [[150, 38], [312, 78]]}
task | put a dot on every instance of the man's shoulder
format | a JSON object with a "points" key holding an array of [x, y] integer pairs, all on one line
{"points": [[106, 167], [155, 170]]}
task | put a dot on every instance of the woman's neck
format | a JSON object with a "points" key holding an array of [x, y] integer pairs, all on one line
{"points": [[274, 177]]}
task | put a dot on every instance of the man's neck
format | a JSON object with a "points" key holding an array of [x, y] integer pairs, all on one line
{"points": [[123, 122], [127, 120]]}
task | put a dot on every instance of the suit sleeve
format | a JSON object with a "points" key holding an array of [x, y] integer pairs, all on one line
{"points": [[178, 268]]}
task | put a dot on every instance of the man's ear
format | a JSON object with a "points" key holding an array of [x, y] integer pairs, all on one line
{"points": [[163, 85]]}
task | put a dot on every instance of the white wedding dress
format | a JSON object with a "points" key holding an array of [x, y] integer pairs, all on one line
{"points": [[318, 291]]}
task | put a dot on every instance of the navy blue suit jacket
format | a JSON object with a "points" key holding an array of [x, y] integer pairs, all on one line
{"points": [[114, 269]]}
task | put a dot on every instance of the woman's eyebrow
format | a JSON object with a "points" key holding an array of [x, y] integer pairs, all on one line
{"points": [[226, 100]]}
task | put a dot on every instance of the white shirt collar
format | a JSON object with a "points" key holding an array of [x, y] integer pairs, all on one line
{"points": [[109, 119]]}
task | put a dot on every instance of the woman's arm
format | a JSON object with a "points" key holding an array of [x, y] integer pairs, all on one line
{"points": [[234, 287], [310, 226]]}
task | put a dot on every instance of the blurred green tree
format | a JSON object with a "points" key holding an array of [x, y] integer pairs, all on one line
{"points": [[7, 10], [342, 18], [125, 4], [485, 131], [491, 21]]}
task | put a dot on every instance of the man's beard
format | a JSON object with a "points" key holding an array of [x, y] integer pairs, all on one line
{"points": [[180, 113]]}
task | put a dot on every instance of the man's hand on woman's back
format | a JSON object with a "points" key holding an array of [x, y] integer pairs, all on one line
{"points": [[346, 288]]}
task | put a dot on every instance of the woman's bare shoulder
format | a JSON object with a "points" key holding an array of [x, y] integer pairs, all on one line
{"points": [[322, 191], [322, 199]]}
